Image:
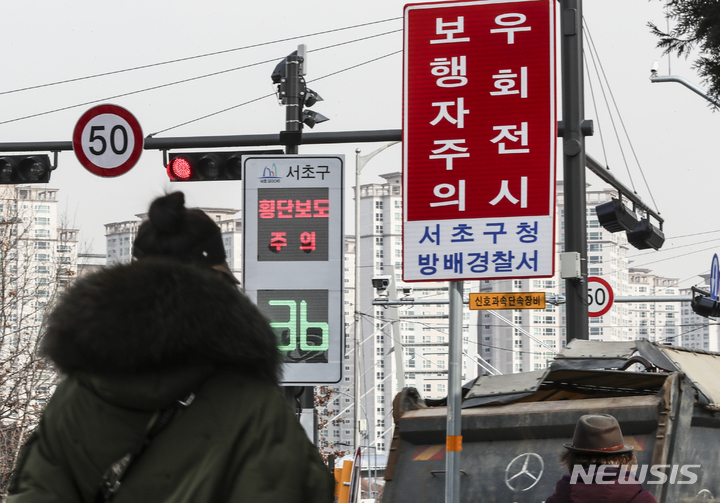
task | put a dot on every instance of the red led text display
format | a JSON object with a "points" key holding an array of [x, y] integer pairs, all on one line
{"points": [[293, 224]]}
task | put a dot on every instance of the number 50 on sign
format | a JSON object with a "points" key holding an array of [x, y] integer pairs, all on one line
{"points": [[108, 140], [600, 296]]}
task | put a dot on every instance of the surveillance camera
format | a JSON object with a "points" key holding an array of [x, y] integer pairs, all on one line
{"points": [[406, 290], [381, 283], [655, 67]]}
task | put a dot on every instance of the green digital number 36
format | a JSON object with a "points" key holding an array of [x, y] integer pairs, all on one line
{"points": [[301, 327]]}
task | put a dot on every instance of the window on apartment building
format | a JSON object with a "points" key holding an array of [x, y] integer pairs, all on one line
{"points": [[378, 205]]}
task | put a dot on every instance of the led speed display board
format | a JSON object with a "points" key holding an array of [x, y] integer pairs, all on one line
{"points": [[479, 135], [293, 259]]}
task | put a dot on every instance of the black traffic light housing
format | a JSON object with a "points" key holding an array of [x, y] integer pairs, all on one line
{"points": [[15, 169], [646, 235], [614, 216], [208, 166], [293, 90], [703, 304]]}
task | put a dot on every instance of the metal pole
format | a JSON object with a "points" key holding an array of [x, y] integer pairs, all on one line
{"points": [[356, 385], [396, 337], [360, 162], [574, 165], [654, 78], [293, 130], [453, 445], [293, 104]]}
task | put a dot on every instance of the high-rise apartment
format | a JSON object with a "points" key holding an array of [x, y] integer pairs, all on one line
{"points": [[120, 236]]}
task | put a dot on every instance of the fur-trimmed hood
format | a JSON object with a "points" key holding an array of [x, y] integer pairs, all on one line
{"points": [[152, 316]]}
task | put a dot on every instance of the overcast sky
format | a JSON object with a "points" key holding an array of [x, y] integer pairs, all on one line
{"points": [[673, 132]]}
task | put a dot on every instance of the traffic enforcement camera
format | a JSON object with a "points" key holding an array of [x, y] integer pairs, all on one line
{"points": [[16, 169]]}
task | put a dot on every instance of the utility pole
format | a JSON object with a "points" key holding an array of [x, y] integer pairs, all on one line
{"points": [[302, 397], [360, 162], [453, 442], [573, 132], [293, 100]]}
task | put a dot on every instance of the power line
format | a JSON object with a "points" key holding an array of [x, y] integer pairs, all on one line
{"points": [[189, 58], [675, 248], [622, 122], [183, 81], [271, 94], [677, 256]]}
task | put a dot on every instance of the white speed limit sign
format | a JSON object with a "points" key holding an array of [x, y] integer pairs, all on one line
{"points": [[108, 140], [600, 296]]}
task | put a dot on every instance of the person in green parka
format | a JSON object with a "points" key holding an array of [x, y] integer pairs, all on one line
{"points": [[170, 385]]}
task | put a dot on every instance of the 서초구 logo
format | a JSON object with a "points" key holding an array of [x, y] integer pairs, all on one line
{"points": [[269, 175]]}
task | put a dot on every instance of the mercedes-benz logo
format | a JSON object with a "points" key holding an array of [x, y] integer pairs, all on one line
{"points": [[704, 495], [523, 472]]}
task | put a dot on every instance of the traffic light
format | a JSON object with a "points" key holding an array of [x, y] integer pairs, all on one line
{"points": [[614, 216], [209, 166], [16, 169], [705, 306], [205, 166], [293, 89], [646, 235]]}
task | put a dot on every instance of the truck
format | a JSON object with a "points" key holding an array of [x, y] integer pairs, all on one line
{"points": [[666, 399]]}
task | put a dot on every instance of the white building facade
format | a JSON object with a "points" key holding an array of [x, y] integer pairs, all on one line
{"points": [[419, 331], [119, 237], [38, 259]]}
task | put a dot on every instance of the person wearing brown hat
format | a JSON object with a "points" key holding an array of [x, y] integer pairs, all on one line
{"points": [[599, 453], [170, 391]]}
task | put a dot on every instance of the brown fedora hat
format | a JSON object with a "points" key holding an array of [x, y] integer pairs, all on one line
{"points": [[598, 434]]}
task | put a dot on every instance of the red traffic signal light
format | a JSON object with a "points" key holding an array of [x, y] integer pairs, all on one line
{"points": [[24, 169], [208, 166], [205, 166]]}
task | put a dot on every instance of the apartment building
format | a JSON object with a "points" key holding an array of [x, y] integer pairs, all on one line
{"points": [[119, 237], [419, 331], [38, 259]]}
